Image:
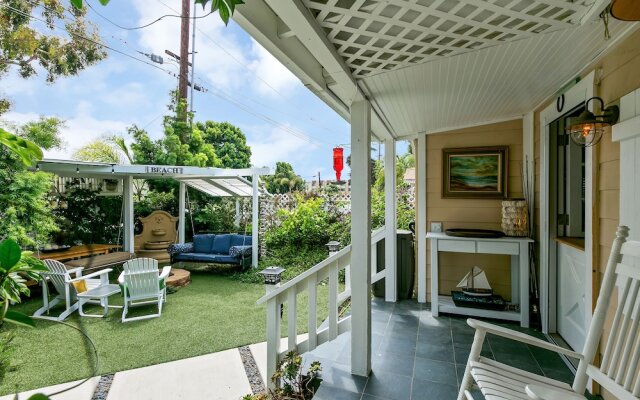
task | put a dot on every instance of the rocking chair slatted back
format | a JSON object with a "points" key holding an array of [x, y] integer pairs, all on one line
{"points": [[141, 277], [618, 371], [58, 275]]}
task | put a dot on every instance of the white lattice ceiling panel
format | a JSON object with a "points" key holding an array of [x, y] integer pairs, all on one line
{"points": [[381, 35]]}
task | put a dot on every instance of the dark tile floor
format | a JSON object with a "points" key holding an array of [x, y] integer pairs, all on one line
{"points": [[417, 356]]}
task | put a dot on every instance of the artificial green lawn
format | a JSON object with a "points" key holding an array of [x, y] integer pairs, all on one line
{"points": [[213, 313]]}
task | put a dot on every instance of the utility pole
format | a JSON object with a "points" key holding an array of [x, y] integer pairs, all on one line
{"points": [[183, 85], [319, 181], [193, 57]]}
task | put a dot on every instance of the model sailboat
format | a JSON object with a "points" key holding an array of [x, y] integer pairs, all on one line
{"points": [[475, 283]]}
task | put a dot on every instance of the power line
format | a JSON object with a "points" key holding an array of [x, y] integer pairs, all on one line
{"points": [[135, 28]]}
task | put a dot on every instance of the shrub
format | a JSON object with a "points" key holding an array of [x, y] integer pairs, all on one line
{"points": [[307, 225], [89, 217]]}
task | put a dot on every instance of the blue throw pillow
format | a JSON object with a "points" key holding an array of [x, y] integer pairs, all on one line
{"points": [[240, 251], [203, 243], [180, 248], [221, 244]]}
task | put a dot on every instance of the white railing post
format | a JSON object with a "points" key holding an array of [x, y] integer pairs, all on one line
{"points": [[313, 316], [292, 333], [273, 338], [333, 300], [374, 258]]}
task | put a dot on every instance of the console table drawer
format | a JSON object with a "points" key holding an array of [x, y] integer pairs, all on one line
{"points": [[457, 246], [498, 248]]}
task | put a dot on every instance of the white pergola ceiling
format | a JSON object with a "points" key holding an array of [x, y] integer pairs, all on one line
{"points": [[375, 36]]}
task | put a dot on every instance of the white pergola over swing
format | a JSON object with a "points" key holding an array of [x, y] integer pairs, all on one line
{"points": [[216, 182]]}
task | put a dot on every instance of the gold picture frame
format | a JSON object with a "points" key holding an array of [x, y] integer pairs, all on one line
{"points": [[475, 172]]}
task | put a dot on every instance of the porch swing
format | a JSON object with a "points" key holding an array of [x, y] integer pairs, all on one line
{"points": [[226, 249]]}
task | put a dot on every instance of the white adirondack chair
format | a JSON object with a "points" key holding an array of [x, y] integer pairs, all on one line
{"points": [[143, 284], [62, 280], [619, 371]]}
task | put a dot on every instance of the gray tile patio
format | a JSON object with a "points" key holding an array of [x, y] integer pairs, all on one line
{"points": [[416, 356]]}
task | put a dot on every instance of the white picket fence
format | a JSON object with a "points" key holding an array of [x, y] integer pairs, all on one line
{"points": [[308, 281]]}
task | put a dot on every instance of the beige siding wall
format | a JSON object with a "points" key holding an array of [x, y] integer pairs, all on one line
{"points": [[466, 213], [619, 76]]}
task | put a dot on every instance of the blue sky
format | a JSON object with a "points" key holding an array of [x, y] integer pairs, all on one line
{"points": [[119, 91]]}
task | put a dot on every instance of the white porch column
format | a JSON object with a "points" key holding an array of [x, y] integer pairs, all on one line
{"points": [[127, 198], [182, 222], [390, 220], [254, 221], [360, 238], [421, 218]]}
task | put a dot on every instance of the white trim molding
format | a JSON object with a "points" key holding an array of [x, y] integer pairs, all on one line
{"points": [[579, 93], [627, 132]]}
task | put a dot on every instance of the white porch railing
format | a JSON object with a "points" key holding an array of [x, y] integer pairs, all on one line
{"points": [[308, 281]]}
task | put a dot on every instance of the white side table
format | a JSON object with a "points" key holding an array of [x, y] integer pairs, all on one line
{"points": [[517, 248], [99, 295]]}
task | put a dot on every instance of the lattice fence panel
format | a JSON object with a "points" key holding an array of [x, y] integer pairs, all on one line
{"points": [[375, 36], [270, 205]]}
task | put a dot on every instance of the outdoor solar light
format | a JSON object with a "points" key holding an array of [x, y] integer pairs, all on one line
{"points": [[586, 129], [272, 275], [333, 247]]}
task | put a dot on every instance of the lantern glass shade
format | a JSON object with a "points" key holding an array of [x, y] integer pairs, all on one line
{"points": [[586, 129], [272, 275]]}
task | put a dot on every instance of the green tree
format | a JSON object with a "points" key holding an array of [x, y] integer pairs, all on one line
{"points": [[25, 211], [182, 144], [228, 141], [100, 151], [45, 132], [31, 45], [284, 179]]}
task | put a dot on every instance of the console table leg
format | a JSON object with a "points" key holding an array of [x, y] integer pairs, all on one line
{"points": [[524, 285]]}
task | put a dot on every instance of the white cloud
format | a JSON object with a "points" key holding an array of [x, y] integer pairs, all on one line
{"points": [[276, 145], [275, 76], [223, 60], [79, 130]]}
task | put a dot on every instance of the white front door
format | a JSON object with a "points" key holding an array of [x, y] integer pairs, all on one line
{"points": [[571, 296]]}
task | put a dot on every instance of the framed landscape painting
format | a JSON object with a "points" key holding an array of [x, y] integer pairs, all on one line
{"points": [[475, 172]]}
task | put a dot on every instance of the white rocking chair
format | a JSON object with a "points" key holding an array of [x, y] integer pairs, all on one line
{"points": [[62, 281], [619, 371], [143, 284]]}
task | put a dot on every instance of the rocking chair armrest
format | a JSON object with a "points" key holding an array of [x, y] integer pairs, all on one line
{"points": [[521, 337], [165, 273], [91, 275], [538, 392], [121, 278]]}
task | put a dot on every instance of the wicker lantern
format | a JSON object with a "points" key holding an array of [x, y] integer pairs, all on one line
{"points": [[515, 219]]}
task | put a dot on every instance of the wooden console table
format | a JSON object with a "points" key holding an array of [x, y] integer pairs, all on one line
{"points": [[517, 248]]}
